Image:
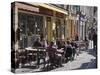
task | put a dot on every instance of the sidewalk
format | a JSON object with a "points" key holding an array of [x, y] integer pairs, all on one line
{"points": [[85, 60]]}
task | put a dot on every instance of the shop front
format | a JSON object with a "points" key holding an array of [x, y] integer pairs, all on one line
{"points": [[31, 22], [31, 28], [34, 22]]}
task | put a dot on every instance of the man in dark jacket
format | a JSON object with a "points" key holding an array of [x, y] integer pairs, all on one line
{"points": [[37, 43], [95, 41]]}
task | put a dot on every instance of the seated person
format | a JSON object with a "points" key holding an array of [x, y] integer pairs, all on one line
{"points": [[54, 59], [37, 43], [59, 55], [51, 53]]}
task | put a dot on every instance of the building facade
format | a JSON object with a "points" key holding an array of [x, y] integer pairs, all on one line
{"points": [[37, 20], [88, 21], [51, 22]]}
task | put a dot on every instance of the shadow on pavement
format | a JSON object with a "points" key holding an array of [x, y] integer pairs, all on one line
{"points": [[89, 65], [92, 52]]}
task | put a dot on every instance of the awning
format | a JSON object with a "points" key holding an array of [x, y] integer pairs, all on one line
{"points": [[51, 7]]}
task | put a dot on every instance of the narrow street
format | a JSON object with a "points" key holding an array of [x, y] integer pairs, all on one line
{"points": [[47, 36], [85, 60]]}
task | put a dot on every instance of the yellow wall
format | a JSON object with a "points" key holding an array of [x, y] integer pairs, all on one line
{"points": [[70, 29]]}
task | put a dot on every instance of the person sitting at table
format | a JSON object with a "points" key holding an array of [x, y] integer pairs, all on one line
{"points": [[51, 53], [60, 53], [37, 43], [55, 56]]}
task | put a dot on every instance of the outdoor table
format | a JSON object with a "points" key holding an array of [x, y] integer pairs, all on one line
{"points": [[39, 52], [30, 53], [61, 53], [60, 50], [30, 49]]}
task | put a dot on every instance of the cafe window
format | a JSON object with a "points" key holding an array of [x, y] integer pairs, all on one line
{"points": [[30, 25], [58, 28]]}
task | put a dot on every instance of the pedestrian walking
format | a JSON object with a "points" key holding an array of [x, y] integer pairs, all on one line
{"points": [[87, 42], [90, 41], [95, 41]]}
